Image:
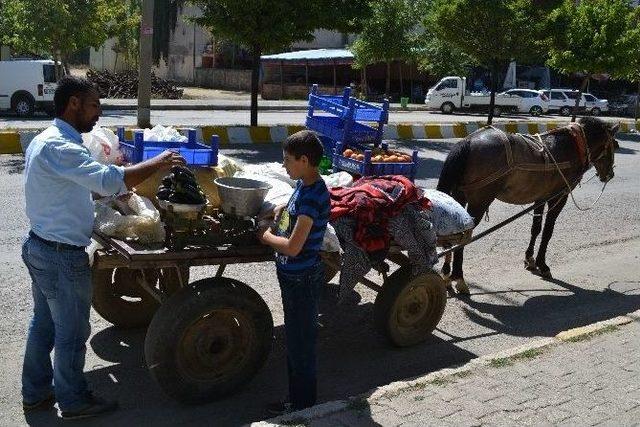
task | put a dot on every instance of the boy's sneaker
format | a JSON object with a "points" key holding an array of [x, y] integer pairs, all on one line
{"points": [[44, 404], [95, 406], [279, 408]]}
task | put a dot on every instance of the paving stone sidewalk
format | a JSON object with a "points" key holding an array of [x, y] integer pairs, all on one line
{"points": [[587, 378]]}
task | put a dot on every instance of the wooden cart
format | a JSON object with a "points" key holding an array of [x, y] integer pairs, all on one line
{"points": [[207, 338]]}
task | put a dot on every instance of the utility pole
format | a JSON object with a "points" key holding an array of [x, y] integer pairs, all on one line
{"points": [[144, 72]]}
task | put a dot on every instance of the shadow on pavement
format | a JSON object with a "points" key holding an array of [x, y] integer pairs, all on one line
{"points": [[540, 315], [353, 359], [14, 163]]}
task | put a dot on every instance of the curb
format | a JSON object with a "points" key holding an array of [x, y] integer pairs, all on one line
{"points": [[16, 141], [394, 389]]}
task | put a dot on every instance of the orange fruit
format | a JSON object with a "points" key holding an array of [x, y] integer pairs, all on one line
{"points": [[348, 152], [360, 157]]}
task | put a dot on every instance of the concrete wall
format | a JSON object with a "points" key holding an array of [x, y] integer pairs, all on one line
{"points": [[325, 39], [186, 45], [219, 78]]}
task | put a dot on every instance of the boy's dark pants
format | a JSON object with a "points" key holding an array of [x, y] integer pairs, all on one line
{"points": [[300, 302]]}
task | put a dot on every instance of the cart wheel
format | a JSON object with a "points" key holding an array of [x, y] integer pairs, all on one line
{"points": [[119, 299], [408, 309], [208, 340], [331, 261]]}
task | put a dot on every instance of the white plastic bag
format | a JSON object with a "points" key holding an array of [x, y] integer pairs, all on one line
{"points": [[338, 179], [142, 224], [161, 133], [103, 145]]}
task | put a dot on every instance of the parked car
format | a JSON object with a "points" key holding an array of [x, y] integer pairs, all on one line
{"points": [[563, 101], [27, 86], [624, 105], [533, 102], [595, 106]]}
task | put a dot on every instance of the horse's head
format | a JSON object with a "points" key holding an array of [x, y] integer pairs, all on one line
{"points": [[601, 143]]}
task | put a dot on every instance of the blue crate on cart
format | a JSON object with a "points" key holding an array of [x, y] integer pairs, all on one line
{"points": [[344, 118], [194, 152], [367, 167]]}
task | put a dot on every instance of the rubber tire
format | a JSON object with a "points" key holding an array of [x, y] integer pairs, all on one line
{"points": [[183, 310], [386, 306], [28, 106], [595, 111], [535, 111], [330, 272], [127, 314], [565, 111], [447, 108]]}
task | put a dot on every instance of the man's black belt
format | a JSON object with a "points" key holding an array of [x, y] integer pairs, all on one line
{"points": [[57, 245]]}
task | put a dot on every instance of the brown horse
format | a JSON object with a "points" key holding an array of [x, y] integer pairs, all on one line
{"points": [[521, 169]]}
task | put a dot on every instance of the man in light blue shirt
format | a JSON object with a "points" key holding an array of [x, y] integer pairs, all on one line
{"points": [[60, 176]]}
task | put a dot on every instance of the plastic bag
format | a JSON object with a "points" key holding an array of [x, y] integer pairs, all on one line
{"points": [[103, 145], [161, 133], [140, 221], [338, 179]]}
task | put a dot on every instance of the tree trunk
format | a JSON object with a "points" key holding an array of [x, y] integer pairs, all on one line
{"points": [[492, 100], [636, 112], [387, 86], [255, 81], [401, 83], [364, 82], [585, 81]]}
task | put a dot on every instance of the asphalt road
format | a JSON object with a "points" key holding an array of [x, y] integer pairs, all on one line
{"points": [[223, 117], [593, 256]]}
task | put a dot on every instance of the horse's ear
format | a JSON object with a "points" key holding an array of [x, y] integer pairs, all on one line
{"points": [[614, 128], [616, 144]]}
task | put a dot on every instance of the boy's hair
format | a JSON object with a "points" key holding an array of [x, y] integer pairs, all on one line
{"points": [[69, 86], [304, 143]]}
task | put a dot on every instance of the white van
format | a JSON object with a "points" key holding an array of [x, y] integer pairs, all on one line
{"points": [[27, 86]]}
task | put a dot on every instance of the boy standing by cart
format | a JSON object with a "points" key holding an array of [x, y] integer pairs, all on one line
{"points": [[297, 238]]}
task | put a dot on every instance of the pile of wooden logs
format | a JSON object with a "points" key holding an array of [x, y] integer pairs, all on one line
{"points": [[125, 85]]}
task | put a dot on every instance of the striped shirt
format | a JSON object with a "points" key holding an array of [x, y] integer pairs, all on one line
{"points": [[312, 201]]}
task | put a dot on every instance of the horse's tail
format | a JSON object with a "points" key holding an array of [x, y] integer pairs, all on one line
{"points": [[454, 167]]}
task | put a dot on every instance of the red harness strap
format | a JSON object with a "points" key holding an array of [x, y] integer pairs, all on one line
{"points": [[580, 142]]}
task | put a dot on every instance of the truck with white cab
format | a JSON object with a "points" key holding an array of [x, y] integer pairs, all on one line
{"points": [[451, 94]]}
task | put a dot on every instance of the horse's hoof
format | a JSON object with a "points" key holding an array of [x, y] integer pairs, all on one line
{"points": [[461, 287], [530, 264], [546, 274]]}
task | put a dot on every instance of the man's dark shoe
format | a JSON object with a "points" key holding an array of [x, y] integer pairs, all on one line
{"points": [[279, 408], [95, 406], [40, 405]]}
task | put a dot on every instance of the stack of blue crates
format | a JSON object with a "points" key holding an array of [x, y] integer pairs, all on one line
{"points": [[194, 152], [344, 118], [346, 122]]}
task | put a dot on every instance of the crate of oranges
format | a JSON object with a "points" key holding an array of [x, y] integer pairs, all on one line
{"points": [[374, 161]]}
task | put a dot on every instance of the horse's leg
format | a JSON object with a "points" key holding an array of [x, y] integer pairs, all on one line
{"points": [[477, 211], [555, 207], [536, 227]]}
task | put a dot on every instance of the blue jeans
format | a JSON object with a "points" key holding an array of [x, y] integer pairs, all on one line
{"points": [[300, 303], [61, 288]]}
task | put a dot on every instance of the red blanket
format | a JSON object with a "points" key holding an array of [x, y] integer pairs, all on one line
{"points": [[372, 201]]}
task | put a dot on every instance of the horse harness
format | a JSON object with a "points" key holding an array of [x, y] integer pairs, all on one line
{"points": [[579, 140]]}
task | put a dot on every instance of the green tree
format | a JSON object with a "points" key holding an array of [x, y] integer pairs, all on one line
{"points": [[126, 30], [387, 34], [60, 27], [263, 26], [591, 37], [632, 39], [490, 33]]}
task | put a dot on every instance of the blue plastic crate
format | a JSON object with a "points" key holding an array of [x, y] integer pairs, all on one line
{"points": [[341, 117], [367, 168], [194, 153]]}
